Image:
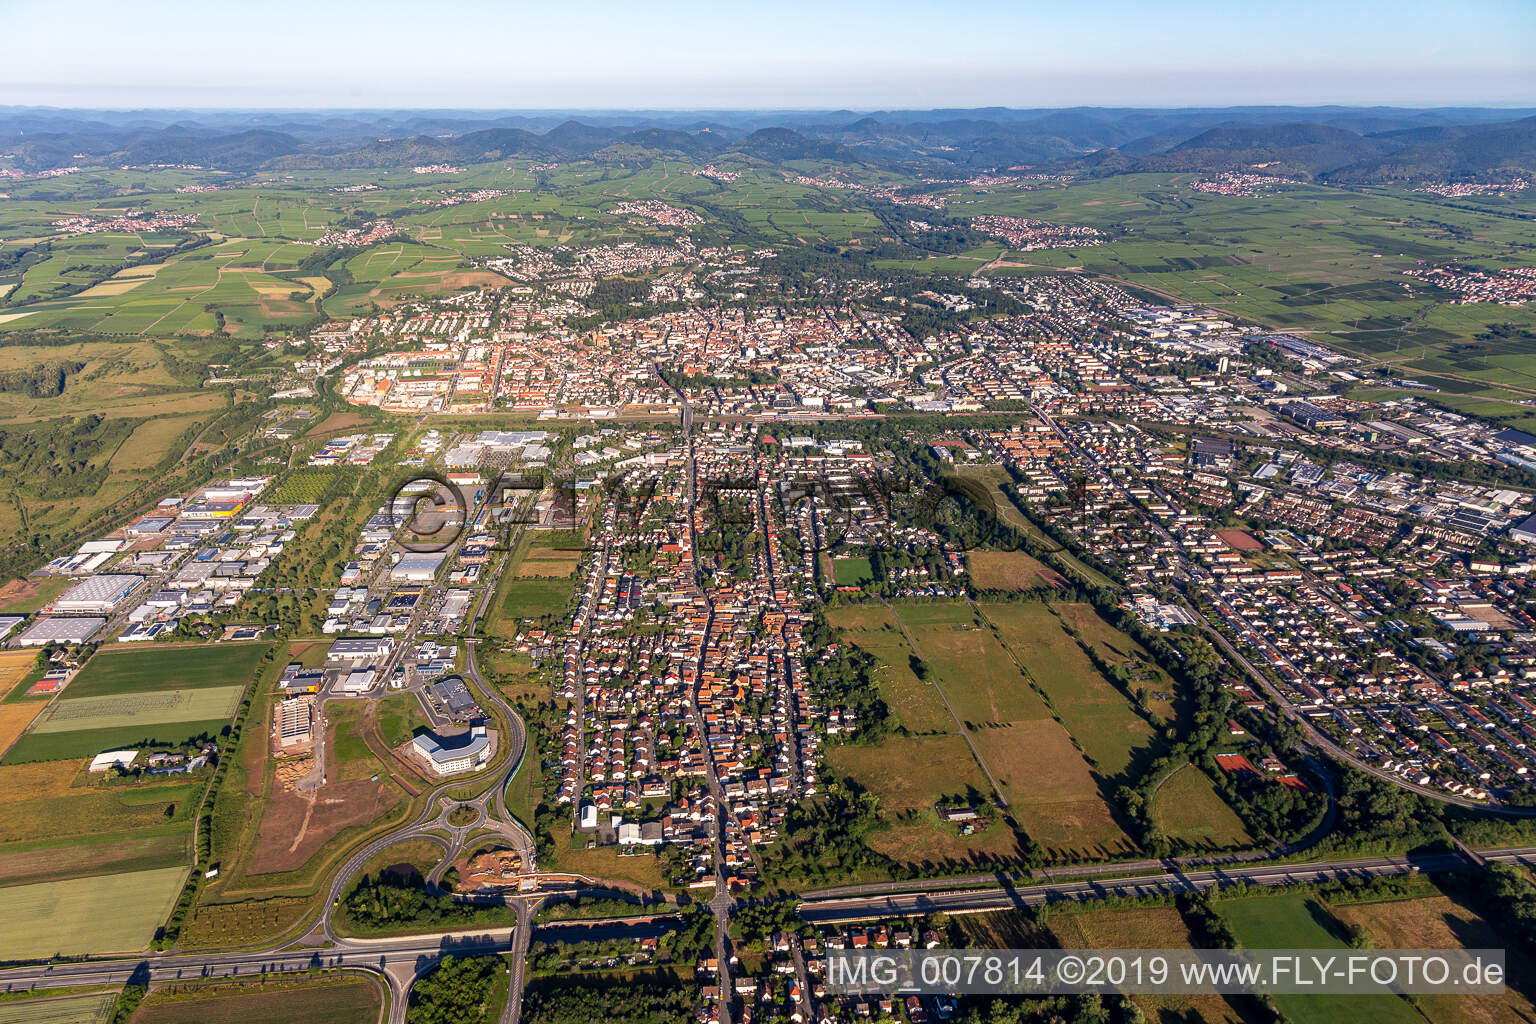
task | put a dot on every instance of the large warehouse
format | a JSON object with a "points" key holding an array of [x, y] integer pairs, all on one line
{"points": [[75, 630], [97, 595], [417, 567]]}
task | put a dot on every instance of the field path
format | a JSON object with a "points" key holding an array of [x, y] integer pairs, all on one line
{"points": [[309, 812], [965, 733]]}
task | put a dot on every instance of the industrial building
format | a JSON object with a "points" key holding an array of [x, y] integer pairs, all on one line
{"points": [[358, 652], [295, 721], [97, 595], [453, 696], [49, 630], [417, 567]]}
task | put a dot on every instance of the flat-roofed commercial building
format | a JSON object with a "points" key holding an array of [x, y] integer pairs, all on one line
{"points": [[358, 651], [52, 630], [97, 595], [417, 567]]}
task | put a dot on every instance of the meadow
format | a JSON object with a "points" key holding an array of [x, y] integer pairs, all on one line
{"points": [[1012, 571], [919, 836], [1038, 762], [533, 598], [1100, 718], [915, 704], [1299, 921], [81, 743], [1142, 928], [44, 801], [1193, 815], [1442, 922]]}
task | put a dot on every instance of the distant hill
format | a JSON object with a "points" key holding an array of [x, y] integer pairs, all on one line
{"points": [[1345, 144], [1450, 153], [1333, 153]]}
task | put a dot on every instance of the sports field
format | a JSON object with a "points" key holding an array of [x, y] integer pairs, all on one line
{"points": [[167, 668], [86, 1009], [101, 914], [852, 572]]}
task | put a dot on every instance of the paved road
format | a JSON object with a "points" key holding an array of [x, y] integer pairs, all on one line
{"points": [[415, 952]]}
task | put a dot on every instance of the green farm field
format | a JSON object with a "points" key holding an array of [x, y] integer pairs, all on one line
{"points": [[142, 710], [100, 914], [334, 999], [58, 746], [167, 668], [81, 1009], [1316, 259], [966, 660]]}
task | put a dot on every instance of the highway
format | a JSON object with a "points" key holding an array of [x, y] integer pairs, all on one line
{"points": [[401, 959], [828, 910]]}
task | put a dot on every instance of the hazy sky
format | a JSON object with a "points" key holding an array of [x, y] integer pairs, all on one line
{"points": [[793, 53]]}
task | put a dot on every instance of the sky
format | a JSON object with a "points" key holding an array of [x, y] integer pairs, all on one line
{"points": [[802, 54]]}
